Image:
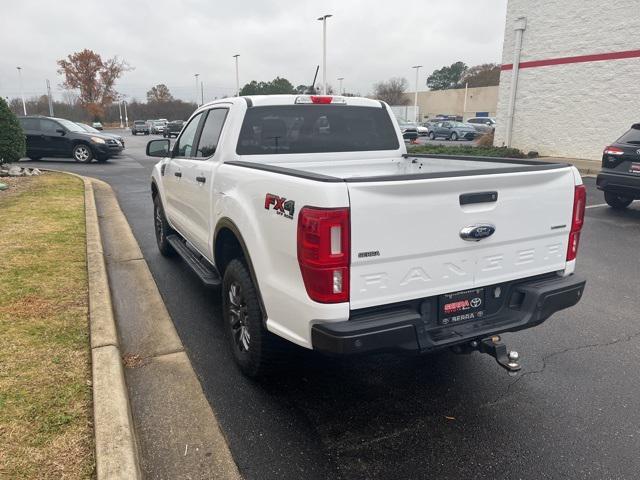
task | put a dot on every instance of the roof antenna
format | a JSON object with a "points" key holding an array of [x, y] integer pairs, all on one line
{"points": [[312, 88]]}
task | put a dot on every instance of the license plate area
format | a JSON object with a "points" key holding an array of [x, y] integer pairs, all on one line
{"points": [[461, 306]]}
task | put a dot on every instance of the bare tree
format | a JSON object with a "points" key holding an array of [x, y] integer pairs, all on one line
{"points": [[392, 91], [93, 77]]}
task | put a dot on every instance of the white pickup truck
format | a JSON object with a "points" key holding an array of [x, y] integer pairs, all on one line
{"points": [[319, 229]]}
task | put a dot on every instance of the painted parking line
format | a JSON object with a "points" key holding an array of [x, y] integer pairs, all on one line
{"points": [[596, 206]]}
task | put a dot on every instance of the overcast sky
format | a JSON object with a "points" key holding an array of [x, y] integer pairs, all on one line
{"points": [[168, 41]]}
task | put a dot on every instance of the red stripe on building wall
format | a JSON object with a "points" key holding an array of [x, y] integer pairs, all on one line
{"points": [[579, 59]]}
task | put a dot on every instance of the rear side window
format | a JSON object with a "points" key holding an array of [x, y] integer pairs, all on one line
{"points": [[29, 123], [314, 129], [48, 126], [632, 137], [211, 132]]}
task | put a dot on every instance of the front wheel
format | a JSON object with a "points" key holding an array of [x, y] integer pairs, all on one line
{"points": [[616, 201], [256, 351], [432, 136], [454, 136], [162, 228], [82, 153]]}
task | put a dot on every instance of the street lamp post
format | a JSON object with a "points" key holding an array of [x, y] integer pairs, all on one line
{"points": [[126, 117], [197, 75], [24, 105], [237, 76], [340, 80], [323, 19], [120, 111], [415, 96]]}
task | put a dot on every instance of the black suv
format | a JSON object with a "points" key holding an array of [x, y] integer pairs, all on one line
{"points": [[57, 137], [173, 128], [620, 174]]}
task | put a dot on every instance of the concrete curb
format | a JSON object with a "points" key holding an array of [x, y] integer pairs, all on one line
{"points": [[177, 432], [116, 452]]}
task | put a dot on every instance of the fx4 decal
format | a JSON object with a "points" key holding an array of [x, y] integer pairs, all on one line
{"points": [[281, 205]]}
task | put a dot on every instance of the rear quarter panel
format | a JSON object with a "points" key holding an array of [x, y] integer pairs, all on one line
{"points": [[271, 240]]}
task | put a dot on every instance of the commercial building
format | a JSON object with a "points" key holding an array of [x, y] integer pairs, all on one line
{"points": [[570, 80], [466, 103]]}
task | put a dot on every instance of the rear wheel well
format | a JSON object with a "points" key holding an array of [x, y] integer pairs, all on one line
{"points": [[227, 248]]}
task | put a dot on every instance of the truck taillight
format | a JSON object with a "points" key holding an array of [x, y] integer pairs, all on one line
{"points": [[324, 253], [577, 221]]}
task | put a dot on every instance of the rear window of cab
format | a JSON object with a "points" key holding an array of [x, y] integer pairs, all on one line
{"points": [[283, 129]]}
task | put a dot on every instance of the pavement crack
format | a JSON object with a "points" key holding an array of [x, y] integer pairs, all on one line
{"points": [[624, 339]]}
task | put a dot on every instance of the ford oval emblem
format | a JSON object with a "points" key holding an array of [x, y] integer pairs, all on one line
{"points": [[475, 233]]}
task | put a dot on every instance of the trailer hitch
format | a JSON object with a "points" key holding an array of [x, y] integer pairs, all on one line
{"points": [[507, 359]]}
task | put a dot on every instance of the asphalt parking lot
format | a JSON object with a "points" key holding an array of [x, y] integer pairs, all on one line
{"points": [[573, 412]]}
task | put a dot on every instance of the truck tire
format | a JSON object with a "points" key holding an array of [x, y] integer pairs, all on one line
{"points": [[82, 153], [616, 201], [256, 351], [162, 228]]}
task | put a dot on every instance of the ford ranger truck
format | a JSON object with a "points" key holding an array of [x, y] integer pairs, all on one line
{"points": [[318, 228]]}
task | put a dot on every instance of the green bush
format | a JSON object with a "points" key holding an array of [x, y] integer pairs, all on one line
{"points": [[12, 140], [469, 150]]}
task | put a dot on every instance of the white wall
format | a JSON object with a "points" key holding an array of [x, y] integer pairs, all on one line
{"points": [[571, 110]]}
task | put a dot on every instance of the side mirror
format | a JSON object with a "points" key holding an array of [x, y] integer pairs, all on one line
{"points": [[158, 148], [61, 131]]}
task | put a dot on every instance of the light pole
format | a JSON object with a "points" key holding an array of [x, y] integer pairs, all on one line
{"points": [[197, 75], [415, 96], [120, 111], [237, 76], [340, 80], [323, 19], [126, 117], [24, 105]]}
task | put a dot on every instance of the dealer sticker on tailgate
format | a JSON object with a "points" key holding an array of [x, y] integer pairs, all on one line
{"points": [[461, 306]]}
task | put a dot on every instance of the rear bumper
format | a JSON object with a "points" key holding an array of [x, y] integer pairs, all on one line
{"points": [[412, 326], [623, 185]]}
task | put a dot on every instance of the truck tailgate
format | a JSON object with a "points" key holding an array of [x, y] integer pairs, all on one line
{"points": [[405, 234]]}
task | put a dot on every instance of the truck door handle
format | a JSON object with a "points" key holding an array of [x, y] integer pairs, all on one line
{"points": [[178, 174], [201, 179]]}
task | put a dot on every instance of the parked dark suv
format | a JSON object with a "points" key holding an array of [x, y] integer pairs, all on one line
{"points": [[173, 128], [57, 137], [620, 174]]}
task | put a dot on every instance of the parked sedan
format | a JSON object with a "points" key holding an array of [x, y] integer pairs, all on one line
{"points": [[157, 126], [97, 125], [483, 124], [453, 131], [620, 174], [89, 129], [409, 130]]}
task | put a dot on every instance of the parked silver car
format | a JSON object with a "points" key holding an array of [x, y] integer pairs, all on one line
{"points": [[483, 124], [453, 131]]}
